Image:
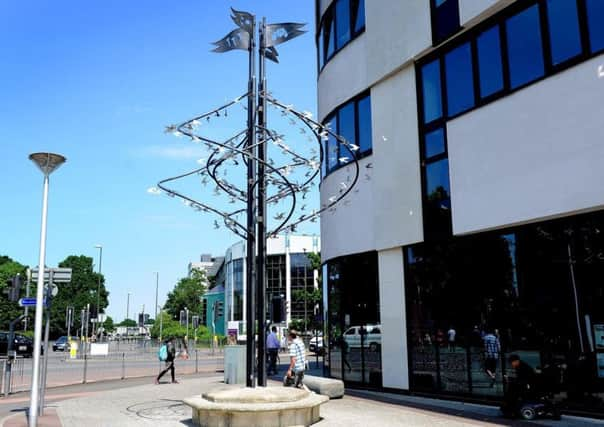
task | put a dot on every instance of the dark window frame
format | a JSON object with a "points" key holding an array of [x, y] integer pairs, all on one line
{"points": [[334, 113], [330, 13], [434, 10]]}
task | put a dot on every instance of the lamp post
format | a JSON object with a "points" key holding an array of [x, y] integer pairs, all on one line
{"points": [[156, 291], [98, 291], [48, 163], [128, 305]]}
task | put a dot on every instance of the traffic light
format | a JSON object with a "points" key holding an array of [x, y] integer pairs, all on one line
{"points": [[183, 318], [278, 309], [141, 319], [14, 288], [195, 322]]}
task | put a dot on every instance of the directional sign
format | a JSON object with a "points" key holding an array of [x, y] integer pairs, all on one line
{"points": [[27, 302], [58, 274]]}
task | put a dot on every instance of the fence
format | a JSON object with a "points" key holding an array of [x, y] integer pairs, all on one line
{"points": [[124, 360]]}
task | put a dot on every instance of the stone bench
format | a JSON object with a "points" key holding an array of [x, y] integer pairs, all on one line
{"points": [[330, 387]]}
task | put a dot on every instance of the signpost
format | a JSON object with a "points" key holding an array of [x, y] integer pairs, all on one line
{"points": [[27, 302]]}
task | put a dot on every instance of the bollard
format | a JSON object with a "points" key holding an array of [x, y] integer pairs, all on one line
{"points": [[123, 365], [2, 380], [196, 360], [85, 368]]}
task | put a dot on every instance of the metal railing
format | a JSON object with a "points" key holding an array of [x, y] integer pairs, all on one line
{"points": [[130, 361]]}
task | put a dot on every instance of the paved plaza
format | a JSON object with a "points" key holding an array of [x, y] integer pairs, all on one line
{"points": [[160, 405]]}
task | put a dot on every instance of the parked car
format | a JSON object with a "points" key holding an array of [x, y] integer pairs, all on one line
{"points": [[370, 336], [316, 345], [61, 344], [23, 345]]}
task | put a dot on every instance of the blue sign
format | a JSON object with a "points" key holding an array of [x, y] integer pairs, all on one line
{"points": [[27, 302]]}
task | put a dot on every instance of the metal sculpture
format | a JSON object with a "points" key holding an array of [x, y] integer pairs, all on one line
{"points": [[270, 180]]}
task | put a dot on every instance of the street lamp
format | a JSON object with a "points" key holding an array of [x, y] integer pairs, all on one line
{"points": [[128, 305], [48, 163], [98, 290]]}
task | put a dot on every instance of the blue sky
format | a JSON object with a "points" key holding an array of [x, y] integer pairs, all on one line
{"points": [[97, 82]]}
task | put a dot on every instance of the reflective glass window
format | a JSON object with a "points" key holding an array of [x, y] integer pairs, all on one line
{"points": [[595, 20], [359, 21], [525, 50], [434, 143], [332, 147], [330, 35], [446, 19], [431, 91], [564, 34], [342, 23], [346, 124], [364, 121], [490, 68], [437, 179], [460, 83], [324, 163], [320, 49]]}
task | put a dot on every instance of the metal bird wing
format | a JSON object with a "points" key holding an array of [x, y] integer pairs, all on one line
{"points": [[243, 20], [280, 33], [236, 39]]}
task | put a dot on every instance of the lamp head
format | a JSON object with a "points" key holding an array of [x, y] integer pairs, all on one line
{"points": [[47, 162]]}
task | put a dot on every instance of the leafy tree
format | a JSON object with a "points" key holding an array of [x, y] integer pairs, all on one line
{"points": [[187, 293], [108, 324], [9, 310], [81, 291], [128, 323]]}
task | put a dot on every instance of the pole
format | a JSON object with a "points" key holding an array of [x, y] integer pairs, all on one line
{"points": [[187, 333], [33, 405], [46, 332], [86, 330], [128, 306], [261, 207], [156, 292], [161, 324], [98, 293], [251, 232], [27, 295]]}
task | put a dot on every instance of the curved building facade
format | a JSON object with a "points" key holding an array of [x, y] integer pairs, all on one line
{"points": [[479, 208]]}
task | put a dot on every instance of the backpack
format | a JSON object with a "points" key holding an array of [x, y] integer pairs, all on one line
{"points": [[162, 354]]}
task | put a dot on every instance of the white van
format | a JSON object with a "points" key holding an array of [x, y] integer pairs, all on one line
{"points": [[372, 336]]}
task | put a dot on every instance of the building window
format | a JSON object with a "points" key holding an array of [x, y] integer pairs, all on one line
{"points": [[302, 283], [564, 34], [525, 48], [434, 143], [431, 91], [445, 19], [459, 80], [238, 289], [342, 22], [352, 121], [490, 68], [595, 18]]}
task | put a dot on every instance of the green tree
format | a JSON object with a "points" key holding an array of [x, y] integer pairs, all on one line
{"points": [[187, 293], [128, 323], [108, 324], [81, 291], [9, 310]]}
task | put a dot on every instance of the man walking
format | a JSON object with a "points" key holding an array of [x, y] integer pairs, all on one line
{"points": [[492, 347], [272, 345], [297, 354], [171, 349]]}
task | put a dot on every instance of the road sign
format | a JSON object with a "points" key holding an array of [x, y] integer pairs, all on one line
{"points": [[27, 302], [59, 274]]}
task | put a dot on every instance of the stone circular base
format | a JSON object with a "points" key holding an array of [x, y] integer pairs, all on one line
{"points": [[256, 407]]}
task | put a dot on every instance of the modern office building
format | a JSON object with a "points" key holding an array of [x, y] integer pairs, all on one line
{"points": [[479, 206], [288, 271]]}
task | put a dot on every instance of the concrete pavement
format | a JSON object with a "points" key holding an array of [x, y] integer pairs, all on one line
{"points": [[160, 405]]}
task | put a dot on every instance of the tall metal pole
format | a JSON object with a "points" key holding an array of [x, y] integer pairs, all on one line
{"points": [[46, 333], [35, 378], [251, 232], [156, 292], [27, 296], [261, 206], [98, 289], [128, 306]]}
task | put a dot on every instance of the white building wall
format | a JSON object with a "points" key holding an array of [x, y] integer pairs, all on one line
{"points": [[530, 156], [393, 319], [397, 200], [470, 9]]}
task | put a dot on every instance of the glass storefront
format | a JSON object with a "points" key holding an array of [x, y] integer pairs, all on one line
{"points": [[536, 291], [354, 330]]}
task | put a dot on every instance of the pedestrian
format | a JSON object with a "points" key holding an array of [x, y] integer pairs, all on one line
{"points": [[297, 354], [492, 347], [451, 338], [272, 346], [521, 386], [284, 343], [171, 355]]}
